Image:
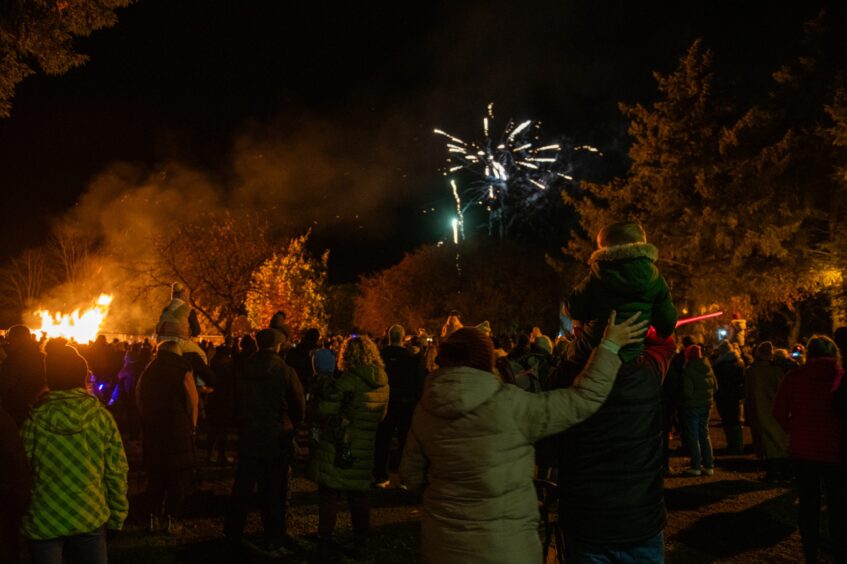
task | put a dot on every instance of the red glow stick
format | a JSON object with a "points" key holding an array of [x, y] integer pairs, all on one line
{"points": [[688, 320]]}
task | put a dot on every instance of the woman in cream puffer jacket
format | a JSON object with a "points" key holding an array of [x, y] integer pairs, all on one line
{"points": [[471, 447]]}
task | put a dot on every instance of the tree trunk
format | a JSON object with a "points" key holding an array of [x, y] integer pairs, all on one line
{"points": [[837, 295], [794, 328]]}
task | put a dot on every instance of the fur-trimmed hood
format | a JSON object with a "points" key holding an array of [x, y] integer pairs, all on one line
{"points": [[628, 270], [623, 278], [629, 250]]}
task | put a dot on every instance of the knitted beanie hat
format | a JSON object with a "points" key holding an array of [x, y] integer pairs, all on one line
{"points": [[467, 346]]}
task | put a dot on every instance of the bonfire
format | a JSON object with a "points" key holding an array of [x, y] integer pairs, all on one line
{"points": [[81, 326]]}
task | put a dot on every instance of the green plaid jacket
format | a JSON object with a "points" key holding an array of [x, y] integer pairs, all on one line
{"points": [[78, 466]]}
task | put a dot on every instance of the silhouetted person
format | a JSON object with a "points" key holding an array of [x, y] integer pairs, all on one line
{"points": [[15, 485], [21, 374], [167, 400], [405, 373], [270, 406]]}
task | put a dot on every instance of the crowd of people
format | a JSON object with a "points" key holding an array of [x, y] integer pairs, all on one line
{"points": [[467, 418]]}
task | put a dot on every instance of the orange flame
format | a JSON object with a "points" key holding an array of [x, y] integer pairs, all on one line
{"points": [[82, 325]]}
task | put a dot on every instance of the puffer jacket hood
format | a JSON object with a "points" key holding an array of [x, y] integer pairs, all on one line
{"points": [[628, 270], [453, 392], [371, 375], [66, 412]]}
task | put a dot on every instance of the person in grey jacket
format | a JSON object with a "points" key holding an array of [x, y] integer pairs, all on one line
{"points": [[471, 447]]}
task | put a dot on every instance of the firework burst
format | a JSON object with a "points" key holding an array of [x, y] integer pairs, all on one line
{"points": [[503, 173]]}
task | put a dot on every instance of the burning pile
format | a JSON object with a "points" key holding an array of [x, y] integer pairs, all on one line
{"points": [[81, 326]]}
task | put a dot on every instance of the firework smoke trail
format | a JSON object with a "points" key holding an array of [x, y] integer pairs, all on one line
{"points": [[508, 172], [460, 216]]}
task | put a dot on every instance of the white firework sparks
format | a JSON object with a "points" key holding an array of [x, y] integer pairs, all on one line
{"points": [[507, 172]]}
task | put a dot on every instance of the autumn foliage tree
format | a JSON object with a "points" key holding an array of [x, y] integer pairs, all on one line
{"points": [[39, 34], [293, 281], [214, 256], [510, 286]]}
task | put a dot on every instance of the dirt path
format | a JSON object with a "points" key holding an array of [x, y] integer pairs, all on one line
{"points": [[729, 517]]}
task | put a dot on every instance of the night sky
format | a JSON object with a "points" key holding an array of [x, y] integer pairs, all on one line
{"points": [[359, 85]]}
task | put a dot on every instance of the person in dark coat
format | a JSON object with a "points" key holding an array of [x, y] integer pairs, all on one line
{"points": [[698, 391], [405, 375], [611, 493], [729, 371], [761, 382], [803, 407], [105, 362], [300, 357], [839, 397], [246, 347], [21, 374], [134, 364], [671, 409], [15, 486], [271, 405], [220, 404], [521, 348], [167, 401]]}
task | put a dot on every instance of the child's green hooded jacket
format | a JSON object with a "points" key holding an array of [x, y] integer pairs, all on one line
{"points": [[79, 468], [623, 278]]}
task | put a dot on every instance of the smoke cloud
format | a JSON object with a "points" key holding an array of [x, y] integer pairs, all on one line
{"points": [[296, 177]]}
